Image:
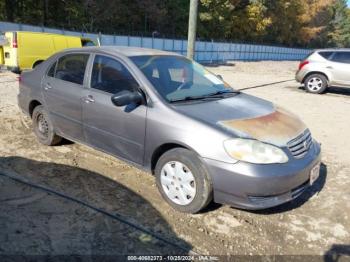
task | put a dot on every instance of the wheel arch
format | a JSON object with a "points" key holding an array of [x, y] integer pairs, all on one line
{"points": [[315, 72], [37, 62], [32, 105], [160, 150]]}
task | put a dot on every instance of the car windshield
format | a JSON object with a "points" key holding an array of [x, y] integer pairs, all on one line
{"points": [[177, 78]]}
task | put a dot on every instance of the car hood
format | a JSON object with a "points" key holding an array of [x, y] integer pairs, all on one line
{"points": [[247, 116]]}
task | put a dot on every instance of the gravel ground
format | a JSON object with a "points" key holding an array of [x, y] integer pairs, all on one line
{"points": [[34, 221]]}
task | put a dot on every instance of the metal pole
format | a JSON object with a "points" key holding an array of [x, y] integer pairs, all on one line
{"points": [[192, 26]]}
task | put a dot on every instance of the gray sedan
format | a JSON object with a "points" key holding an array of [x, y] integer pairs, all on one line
{"points": [[166, 114]]}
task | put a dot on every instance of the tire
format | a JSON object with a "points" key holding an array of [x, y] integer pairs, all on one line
{"points": [[316, 83], [191, 194], [43, 128]]}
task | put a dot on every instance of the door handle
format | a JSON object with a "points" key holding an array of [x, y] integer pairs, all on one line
{"points": [[47, 86], [329, 67], [89, 99]]}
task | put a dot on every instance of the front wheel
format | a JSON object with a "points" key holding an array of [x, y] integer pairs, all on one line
{"points": [[316, 83], [43, 127], [183, 181]]}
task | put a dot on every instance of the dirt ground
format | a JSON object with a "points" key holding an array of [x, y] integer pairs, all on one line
{"points": [[115, 197]]}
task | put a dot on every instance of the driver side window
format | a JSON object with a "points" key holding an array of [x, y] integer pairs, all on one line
{"points": [[110, 76]]}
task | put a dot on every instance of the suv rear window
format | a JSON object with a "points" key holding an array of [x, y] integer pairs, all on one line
{"points": [[325, 54], [341, 57]]}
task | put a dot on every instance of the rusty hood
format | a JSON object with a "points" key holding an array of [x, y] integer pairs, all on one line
{"points": [[277, 128], [248, 117]]}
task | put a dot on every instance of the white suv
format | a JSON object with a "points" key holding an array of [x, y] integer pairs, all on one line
{"points": [[324, 68]]}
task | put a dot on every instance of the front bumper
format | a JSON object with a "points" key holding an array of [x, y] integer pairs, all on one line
{"points": [[256, 186]]}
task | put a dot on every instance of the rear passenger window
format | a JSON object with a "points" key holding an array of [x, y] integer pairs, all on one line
{"points": [[51, 71], [341, 57], [71, 68], [325, 55], [111, 76]]}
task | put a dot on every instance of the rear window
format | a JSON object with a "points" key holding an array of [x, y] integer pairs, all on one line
{"points": [[325, 54], [341, 57], [3, 39], [71, 68]]}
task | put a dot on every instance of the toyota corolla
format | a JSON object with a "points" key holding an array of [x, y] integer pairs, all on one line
{"points": [[202, 139]]}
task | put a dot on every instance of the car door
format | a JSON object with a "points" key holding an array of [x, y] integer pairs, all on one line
{"points": [[340, 68], [62, 89], [117, 130]]}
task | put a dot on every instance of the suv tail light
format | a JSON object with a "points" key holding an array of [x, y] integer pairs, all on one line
{"points": [[14, 40], [302, 64]]}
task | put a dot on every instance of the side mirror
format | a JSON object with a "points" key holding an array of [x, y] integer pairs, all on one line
{"points": [[220, 77], [125, 97]]}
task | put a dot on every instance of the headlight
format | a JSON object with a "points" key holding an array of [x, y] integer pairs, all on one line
{"points": [[254, 151]]}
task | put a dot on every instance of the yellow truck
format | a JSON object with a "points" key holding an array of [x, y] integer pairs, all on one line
{"points": [[24, 50]]}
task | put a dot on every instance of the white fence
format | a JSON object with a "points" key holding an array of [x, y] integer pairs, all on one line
{"points": [[206, 51]]}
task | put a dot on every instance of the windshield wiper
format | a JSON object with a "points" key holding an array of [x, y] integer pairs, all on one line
{"points": [[221, 93], [218, 94], [190, 98]]}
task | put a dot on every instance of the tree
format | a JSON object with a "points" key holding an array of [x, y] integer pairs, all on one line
{"points": [[9, 9], [2, 7], [338, 31], [234, 19], [315, 21], [304, 23]]}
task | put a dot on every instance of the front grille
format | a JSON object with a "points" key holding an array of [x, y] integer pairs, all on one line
{"points": [[262, 199], [294, 193], [300, 189], [300, 145]]}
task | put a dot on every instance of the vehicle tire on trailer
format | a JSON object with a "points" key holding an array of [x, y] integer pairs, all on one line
{"points": [[183, 180], [43, 128], [316, 83]]}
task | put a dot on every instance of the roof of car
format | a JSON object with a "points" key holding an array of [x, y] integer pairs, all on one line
{"points": [[332, 49], [124, 50]]}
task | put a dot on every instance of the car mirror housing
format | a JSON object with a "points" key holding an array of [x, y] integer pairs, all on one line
{"points": [[125, 97]]}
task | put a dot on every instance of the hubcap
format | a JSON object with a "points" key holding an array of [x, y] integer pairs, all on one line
{"points": [[178, 183], [315, 84], [43, 126]]}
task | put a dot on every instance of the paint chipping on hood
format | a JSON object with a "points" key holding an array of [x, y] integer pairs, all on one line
{"points": [[277, 128]]}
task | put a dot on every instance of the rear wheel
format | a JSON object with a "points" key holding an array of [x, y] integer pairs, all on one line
{"points": [[43, 127], [316, 83], [183, 181]]}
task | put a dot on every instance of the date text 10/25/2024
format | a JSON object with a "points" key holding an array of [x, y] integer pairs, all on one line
{"points": [[173, 258]]}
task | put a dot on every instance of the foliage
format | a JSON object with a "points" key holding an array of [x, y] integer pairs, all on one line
{"points": [[234, 19], [338, 33], [306, 23]]}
